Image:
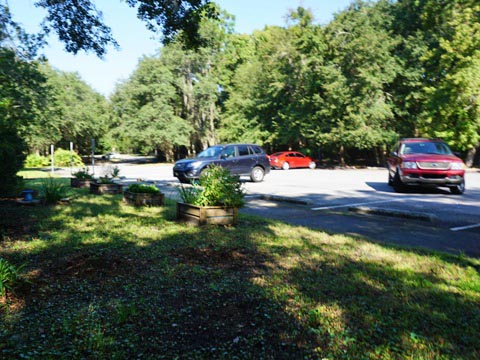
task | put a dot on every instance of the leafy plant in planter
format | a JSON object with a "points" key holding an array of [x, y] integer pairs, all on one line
{"points": [[143, 194], [82, 174], [81, 178], [106, 184], [214, 200]]}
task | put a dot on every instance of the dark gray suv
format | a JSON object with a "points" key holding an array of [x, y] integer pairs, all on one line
{"points": [[240, 159]]}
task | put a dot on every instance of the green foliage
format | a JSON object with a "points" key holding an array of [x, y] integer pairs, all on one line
{"points": [[53, 190], [83, 174], [65, 158], [36, 161], [143, 188], [77, 113], [217, 187], [9, 276]]}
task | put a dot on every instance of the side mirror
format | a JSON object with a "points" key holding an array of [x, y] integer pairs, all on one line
{"points": [[394, 153]]}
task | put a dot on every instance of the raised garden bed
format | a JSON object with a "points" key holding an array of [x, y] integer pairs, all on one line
{"points": [[81, 183], [105, 189], [207, 215], [143, 199]]}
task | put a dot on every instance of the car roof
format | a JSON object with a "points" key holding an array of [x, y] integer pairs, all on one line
{"points": [[420, 140]]}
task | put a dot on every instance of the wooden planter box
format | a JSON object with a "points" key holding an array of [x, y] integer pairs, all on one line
{"points": [[143, 199], [207, 215], [105, 189], [81, 183]]}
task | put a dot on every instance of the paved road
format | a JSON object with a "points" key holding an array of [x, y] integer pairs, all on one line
{"points": [[355, 202]]}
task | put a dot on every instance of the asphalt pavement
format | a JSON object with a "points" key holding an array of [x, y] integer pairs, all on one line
{"points": [[355, 202]]}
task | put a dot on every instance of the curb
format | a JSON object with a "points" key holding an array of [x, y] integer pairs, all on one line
{"points": [[284, 199], [393, 213]]}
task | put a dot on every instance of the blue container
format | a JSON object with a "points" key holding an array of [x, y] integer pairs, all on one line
{"points": [[27, 195]]}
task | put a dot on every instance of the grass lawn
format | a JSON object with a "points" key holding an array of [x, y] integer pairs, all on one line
{"points": [[103, 280]]}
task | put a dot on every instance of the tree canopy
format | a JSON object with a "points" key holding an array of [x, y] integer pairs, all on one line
{"points": [[344, 91]]}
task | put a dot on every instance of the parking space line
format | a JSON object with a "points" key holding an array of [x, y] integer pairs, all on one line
{"points": [[357, 204], [460, 228]]}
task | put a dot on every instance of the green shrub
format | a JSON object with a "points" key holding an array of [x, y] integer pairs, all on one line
{"points": [[143, 188], [64, 158], [217, 187], [9, 276], [36, 161], [53, 190], [83, 174], [12, 156]]}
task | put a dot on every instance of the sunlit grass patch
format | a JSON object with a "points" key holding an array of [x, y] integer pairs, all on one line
{"points": [[127, 282]]}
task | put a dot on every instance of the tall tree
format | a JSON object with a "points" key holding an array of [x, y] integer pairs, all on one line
{"points": [[80, 26], [362, 48], [442, 41], [22, 97], [78, 114], [146, 105]]}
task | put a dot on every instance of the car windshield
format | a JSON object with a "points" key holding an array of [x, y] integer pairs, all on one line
{"points": [[213, 151], [277, 154], [437, 148]]}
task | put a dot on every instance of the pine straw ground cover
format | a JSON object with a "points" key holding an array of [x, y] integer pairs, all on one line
{"points": [[103, 280]]}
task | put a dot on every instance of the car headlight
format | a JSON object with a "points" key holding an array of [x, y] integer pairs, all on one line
{"points": [[409, 165], [457, 166], [196, 164]]}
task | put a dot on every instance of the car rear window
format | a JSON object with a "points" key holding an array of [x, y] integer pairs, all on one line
{"points": [[257, 150]]}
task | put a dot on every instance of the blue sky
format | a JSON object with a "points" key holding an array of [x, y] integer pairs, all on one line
{"points": [[135, 41]]}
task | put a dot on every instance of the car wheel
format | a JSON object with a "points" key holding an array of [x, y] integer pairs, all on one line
{"points": [[312, 165], [257, 174], [397, 183], [458, 189], [285, 166]]}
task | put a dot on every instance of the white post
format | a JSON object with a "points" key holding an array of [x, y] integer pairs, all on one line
{"points": [[71, 157], [53, 158], [93, 156]]}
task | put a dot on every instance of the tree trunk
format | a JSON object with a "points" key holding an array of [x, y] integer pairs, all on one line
{"points": [[469, 161]]}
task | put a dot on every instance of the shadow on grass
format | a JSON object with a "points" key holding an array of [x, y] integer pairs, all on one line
{"points": [[109, 280]]}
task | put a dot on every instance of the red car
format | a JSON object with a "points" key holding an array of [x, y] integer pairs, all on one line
{"points": [[426, 162], [290, 159]]}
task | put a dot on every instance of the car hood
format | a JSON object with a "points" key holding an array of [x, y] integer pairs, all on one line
{"points": [[430, 157], [192, 160]]}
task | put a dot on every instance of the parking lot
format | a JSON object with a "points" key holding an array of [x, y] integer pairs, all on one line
{"points": [[356, 202]]}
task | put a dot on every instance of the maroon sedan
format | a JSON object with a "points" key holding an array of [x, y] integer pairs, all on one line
{"points": [[426, 162], [290, 159]]}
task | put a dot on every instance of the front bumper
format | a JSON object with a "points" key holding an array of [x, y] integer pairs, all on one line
{"points": [[188, 174], [442, 178]]}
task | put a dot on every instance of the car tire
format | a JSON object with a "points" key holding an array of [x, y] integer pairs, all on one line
{"points": [[397, 183], [257, 174], [458, 189], [285, 166], [312, 165]]}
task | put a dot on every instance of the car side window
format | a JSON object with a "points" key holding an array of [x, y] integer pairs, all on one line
{"points": [[256, 150], [243, 150], [228, 152]]}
